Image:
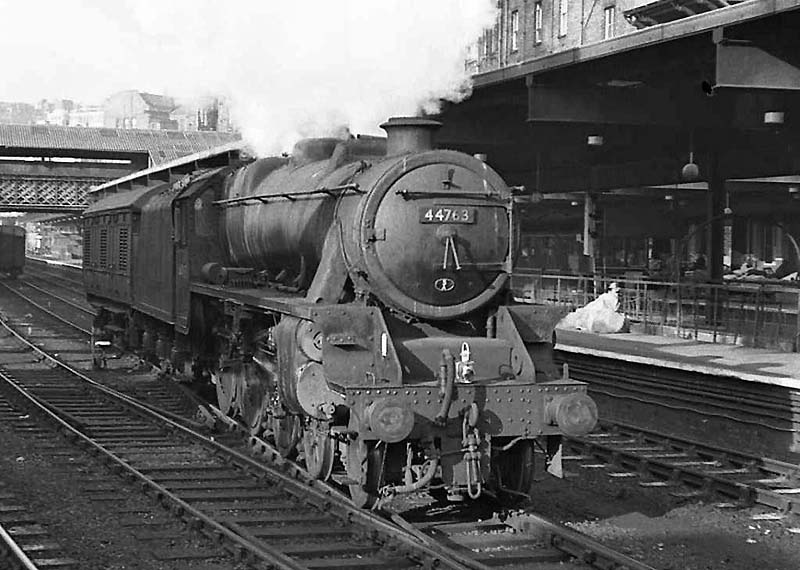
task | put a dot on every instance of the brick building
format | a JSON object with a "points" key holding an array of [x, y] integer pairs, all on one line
{"points": [[202, 114], [124, 110], [87, 116], [136, 110], [15, 113], [526, 29]]}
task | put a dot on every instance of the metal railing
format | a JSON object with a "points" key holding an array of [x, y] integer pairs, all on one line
{"points": [[763, 315]]}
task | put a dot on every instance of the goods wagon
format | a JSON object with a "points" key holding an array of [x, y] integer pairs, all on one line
{"points": [[12, 250]]}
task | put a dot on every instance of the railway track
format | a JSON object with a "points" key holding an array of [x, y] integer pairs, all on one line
{"points": [[492, 537], [72, 313], [64, 271], [24, 542], [29, 524], [60, 281], [663, 457], [499, 542], [14, 556], [523, 541], [661, 461], [259, 513], [68, 337], [755, 417], [504, 543]]}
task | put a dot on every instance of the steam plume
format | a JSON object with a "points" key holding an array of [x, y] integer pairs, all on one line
{"points": [[292, 70]]}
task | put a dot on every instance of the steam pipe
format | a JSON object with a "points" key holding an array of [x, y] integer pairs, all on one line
{"points": [[426, 478], [491, 326]]}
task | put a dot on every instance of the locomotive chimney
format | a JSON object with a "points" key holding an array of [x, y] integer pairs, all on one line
{"points": [[409, 134]]}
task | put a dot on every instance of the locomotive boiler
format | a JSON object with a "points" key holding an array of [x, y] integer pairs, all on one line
{"points": [[350, 302]]}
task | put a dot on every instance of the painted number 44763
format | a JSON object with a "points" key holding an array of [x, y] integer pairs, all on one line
{"points": [[447, 215]]}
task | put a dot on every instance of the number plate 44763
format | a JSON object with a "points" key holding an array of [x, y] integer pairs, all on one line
{"points": [[447, 215]]}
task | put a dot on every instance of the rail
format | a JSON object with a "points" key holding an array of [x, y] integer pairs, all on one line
{"points": [[762, 315], [750, 479], [15, 551], [74, 264]]}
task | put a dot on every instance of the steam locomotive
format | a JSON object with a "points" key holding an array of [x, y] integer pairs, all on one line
{"points": [[350, 302]]}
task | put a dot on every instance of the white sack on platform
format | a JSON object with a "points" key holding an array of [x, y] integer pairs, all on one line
{"points": [[599, 316]]}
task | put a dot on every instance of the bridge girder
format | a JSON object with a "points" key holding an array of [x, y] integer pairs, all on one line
{"points": [[23, 193]]}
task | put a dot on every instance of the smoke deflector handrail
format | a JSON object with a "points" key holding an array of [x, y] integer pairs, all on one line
{"points": [[292, 196], [420, 194]]}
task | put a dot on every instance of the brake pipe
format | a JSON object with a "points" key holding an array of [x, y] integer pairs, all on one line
{"points": [[427, 477]]}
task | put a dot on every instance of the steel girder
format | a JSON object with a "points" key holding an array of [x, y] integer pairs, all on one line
{"points": [[22, 193]]}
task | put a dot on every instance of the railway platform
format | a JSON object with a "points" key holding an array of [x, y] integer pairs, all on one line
{"points": [[730, 396], [758, 365]]}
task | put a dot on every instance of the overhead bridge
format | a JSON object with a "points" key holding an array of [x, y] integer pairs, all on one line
{"points": [[50, 168], [20, 193]]}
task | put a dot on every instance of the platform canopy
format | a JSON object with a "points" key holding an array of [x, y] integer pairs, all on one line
{"points": [[710, 98], [51, 168], [633, 110], [663, 11]]}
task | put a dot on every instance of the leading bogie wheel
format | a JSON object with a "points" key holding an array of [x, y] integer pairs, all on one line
{"points": [[286, 432], [365, 471], [318, 451], [514, 470], [225, 383], [251, 399]]}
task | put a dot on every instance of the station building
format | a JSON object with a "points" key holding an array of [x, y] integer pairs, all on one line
{"points": [[137, 110]]}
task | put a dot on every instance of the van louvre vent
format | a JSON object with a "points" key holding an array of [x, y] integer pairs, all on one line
{"points": [[123, 250], [87, 246], [103, 248]]}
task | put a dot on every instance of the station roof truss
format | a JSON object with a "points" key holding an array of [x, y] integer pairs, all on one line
{"points": [[662, 11]]}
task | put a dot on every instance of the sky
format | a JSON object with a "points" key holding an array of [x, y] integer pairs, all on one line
{"points": [[289, 69]]}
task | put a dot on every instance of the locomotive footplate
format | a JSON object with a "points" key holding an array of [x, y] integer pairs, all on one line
{"points": [[266, 299]]}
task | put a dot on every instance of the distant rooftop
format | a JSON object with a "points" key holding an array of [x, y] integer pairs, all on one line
{"points": [[160, 102], [162, 146]]}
